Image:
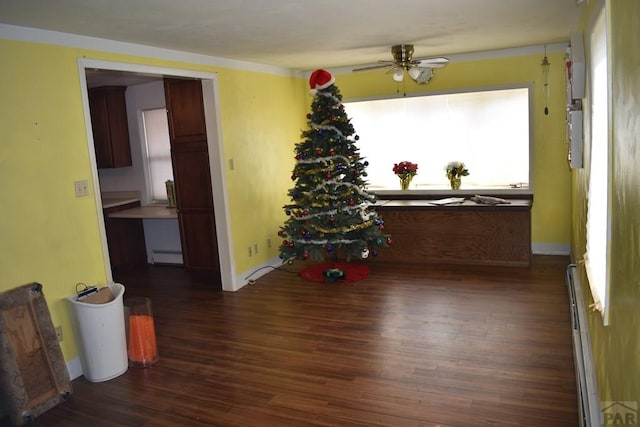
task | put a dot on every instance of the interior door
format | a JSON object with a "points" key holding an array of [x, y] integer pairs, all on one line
{"points": [[190, 158]]}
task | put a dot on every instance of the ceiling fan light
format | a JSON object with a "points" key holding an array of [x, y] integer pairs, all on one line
{"points": [[414, 72], [425, 75], [398, 75]]}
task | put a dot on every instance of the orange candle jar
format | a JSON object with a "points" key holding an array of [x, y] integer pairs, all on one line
{"points": [[142, 349]]}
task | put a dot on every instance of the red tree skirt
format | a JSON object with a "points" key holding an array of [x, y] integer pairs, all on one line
{"points": [[352, 272]]}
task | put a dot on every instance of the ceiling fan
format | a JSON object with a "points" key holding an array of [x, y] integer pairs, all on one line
{"points": [[419, 69]]}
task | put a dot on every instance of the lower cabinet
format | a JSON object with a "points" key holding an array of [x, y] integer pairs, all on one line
{"points": [[468, 234], [125, 238]]}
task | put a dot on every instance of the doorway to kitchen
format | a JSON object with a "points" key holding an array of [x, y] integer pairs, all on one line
{"points": [[125, 74]]}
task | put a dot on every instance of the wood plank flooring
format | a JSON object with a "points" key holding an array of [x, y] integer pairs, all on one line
{"points": [[431, 345]]}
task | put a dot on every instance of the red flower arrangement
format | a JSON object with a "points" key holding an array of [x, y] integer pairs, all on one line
{"points": [[405, 169]]}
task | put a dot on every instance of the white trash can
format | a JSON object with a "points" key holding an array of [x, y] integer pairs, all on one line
{"points": [[101, 336]]}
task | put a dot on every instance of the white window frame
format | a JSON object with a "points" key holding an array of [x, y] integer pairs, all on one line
{"points": [[442, 186], [598, 234], [158, 196]]}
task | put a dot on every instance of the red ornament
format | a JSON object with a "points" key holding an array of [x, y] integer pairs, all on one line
{"points": [[328, 175], [351, 202], [285, 243], [291, 244], [305, 212], [280, 233], [332, 218], [308, 115], [332, 152], [389, 240], [293, 177], [319, 151], [381, 227], [305, 255]]}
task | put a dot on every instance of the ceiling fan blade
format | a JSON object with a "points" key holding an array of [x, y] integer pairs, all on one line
{"points": [[394, 68], [432, 62], [375, 67]]}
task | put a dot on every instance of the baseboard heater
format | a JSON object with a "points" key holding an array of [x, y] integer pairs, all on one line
{"points": [[166, 256], [587, 388]]}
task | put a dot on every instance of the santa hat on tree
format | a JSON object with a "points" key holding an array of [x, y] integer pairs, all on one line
{"points": [[320, 79]]}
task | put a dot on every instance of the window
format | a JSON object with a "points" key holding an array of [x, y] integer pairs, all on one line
{"points": [[488, 130], [156, 131], [598, 224]]}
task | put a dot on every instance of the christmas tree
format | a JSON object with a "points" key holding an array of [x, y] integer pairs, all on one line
{"points": [[330, 213]]}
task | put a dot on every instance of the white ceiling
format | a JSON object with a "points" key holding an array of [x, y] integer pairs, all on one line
{"points": [[303, 34]]}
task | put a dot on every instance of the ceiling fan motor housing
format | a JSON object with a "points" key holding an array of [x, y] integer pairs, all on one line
{"points": [[402, 53]]}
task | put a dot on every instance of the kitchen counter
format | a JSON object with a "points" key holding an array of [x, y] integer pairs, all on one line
{"points": [[146, 212], [112, 199]]}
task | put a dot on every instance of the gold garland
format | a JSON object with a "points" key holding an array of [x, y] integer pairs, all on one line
{"points": [[305, 199], [353, 227]]}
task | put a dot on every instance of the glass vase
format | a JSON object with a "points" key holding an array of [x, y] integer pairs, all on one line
{"points": [[455, 183], [142, 349], [405, 181]]}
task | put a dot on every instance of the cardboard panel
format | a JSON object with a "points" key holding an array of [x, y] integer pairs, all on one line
{"points": [[33, 375]]}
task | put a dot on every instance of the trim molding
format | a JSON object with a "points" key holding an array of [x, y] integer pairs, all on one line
{"points": [[257, 272], [74, 367], [477, 56], [35, 35]]}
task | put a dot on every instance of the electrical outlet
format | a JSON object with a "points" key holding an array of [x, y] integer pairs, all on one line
{"points": [[250, 251], [82, 188], [255, 248], [269, 242], [59, 333]]}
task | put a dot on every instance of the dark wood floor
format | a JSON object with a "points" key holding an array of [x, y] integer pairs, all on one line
{"points": [[408, 346]]}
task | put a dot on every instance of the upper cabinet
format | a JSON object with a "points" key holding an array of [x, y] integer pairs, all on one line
{"points": [[185, 111], [110, 127]]}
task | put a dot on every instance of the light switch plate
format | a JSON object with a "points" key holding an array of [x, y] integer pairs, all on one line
{"points": [[82, 188]]}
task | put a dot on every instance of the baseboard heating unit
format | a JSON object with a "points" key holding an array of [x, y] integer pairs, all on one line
{"points": [[166, 256], [587, 387]]}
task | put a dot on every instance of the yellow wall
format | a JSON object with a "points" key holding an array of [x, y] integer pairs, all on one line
{"points": [[262, 150], [50, 236], [616, 348], [551, 207], [261, 122]]}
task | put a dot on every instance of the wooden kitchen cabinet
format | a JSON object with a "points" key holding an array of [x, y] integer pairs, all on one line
{"points": [[125, 238], [110, 126], [191, 171]]}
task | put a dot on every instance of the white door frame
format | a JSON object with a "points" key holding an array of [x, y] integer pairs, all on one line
{"points": [[215, 148]]}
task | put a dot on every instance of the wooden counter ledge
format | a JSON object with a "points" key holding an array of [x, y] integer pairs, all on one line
{"points": [[146, 212]]}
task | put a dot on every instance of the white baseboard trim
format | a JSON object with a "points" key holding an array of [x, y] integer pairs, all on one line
{"points": [[257, 272], [550, 248], [74, 368]]}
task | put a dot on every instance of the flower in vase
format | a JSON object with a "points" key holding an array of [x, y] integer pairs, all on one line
{"points": [[456, 170], [405, 169]]}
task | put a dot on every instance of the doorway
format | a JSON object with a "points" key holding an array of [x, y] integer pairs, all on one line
{"points": [[136, 72]]}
